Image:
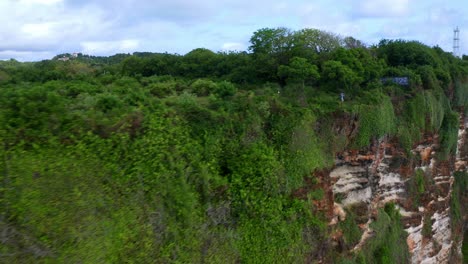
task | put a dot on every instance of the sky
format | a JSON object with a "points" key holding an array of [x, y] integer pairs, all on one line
{"points": [[40, 29]]}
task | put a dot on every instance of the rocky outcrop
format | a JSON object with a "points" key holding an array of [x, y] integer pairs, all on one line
{"points": [[383, 173]]}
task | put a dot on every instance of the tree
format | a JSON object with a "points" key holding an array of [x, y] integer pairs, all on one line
{"points": [[236, 67], [408, 53], [4, 77], [200, 63], [316, 40], [271, 47], [361, 62], [300, 70], [132, 66], [271, 41], [337, 74], [352, 43]]}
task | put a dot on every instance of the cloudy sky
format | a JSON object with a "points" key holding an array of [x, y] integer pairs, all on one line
{"points": [[40, 29]]}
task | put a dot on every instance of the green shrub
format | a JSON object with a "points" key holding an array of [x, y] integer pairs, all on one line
{"points": [[376, 118], [225, 89], [407, 136], [449, 135], [389, 243], [461, 94], [428, 77], [427, 226], [415, 115], [435, 110], [162, 89], [420, 181], [203, 87], [304, 153], [459, 191], [351, 231], [108, 102], [426, 112], [416, 187]]}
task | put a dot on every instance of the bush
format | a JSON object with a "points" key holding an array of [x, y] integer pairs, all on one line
{"points": [[420, 181], [460, 191], [225, 89], [351, 231], [108, 102], [461, 94], [449, 135], [375, 119], [389, 243], [428, 77], [435, 110], [202, 87], [416, 187], [427, 226]]}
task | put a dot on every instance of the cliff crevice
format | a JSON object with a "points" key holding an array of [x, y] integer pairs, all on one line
{"points": [[418, 183]]}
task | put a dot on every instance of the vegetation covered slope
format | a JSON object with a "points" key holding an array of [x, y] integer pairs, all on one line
{"points": [[163, 158]]}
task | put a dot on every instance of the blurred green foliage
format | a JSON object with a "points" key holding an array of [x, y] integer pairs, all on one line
{"points": [[200, 158]]}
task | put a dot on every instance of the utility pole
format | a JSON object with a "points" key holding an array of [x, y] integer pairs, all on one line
{"points": [[456, 42]]}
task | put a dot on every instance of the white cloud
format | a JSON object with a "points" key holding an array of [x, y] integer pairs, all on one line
{"points": [[233, 46], [41, 2], [109, 47], [41, 27], [40, 30], [382, 8], [25, 55], [394, 30], [329, 18]]}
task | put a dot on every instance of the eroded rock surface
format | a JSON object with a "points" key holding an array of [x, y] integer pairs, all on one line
{"points": [[370, 179]]}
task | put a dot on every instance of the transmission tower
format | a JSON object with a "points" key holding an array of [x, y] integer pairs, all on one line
{"points": [[456, 42]]}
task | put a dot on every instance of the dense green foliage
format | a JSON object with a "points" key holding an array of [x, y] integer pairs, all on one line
{"points": [[351, 232], [197, 158], [458, 208], [388, 243], [459, 194]]}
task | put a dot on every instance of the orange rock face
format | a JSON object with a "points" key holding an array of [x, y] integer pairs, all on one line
{"points": [[426, 154], [411, 244]]}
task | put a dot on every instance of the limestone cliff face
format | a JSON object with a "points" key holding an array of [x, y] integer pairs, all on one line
{"points": [[369, 179]]}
